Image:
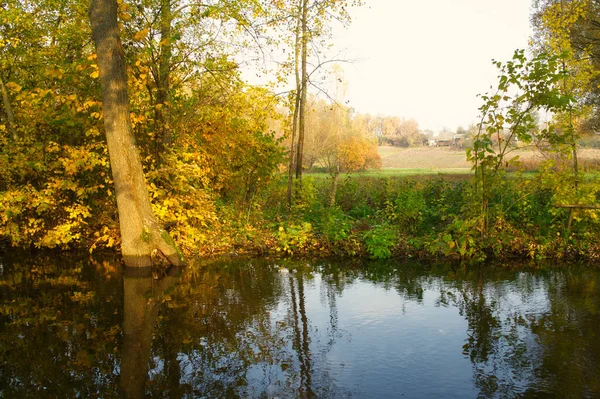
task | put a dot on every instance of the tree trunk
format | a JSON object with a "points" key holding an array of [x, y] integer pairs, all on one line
{"points": [[302, 113], [9, 112], [292, 155], [297, 46], [141, 235], [334, 184]]}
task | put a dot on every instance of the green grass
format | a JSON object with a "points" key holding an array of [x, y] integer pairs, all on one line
{"points": [[399, 172], [388, 172]]}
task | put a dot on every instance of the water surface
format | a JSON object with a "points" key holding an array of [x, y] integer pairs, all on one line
{"points": [[272, 328]]}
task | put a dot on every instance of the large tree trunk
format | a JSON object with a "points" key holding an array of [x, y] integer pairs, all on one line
{"points": [[12, 127], [302, 113], [141, 235]]}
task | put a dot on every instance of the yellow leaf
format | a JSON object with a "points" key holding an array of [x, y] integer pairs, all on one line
{"points": [[89, 104], [94, 74], [14, 87], [141, 35]]}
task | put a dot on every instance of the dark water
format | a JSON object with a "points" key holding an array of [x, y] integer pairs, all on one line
{"points": [[72, 328]]}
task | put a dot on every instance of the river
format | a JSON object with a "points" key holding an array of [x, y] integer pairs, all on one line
{"points": [[77, 327]]}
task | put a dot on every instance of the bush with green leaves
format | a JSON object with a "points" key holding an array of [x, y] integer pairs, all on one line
{"points": [[333, 224], [380, 241], [406, 208]]}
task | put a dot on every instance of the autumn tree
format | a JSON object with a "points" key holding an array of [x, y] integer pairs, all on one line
{"points": [[338, 141], [571, 27], [56, 175], [304, 27], [569, 30], [141, 234], [201, 132], [396, 131], [168, 49]]}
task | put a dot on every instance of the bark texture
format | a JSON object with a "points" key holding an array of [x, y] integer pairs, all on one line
{"points": [[9, 111], [142, 236]]}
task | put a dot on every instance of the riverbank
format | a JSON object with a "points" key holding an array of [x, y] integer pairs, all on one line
{"points": [[426, 216], [423, 217]]}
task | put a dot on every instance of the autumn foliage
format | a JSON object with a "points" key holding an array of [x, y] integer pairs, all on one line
{"points": [[211, 146]]}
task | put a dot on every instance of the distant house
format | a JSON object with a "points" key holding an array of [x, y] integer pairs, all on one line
{"points": [[459, 140], [444, 143], [431, 143]]}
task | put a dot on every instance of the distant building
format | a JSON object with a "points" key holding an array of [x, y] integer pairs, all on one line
{"points": [[444, 143], [458, 140]]}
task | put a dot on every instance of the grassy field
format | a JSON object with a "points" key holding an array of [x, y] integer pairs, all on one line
{"points": [[397, 161], [424, 158], [447, 160]]}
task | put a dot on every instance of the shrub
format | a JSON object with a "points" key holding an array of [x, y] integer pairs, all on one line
{"points": [[380, 240]]}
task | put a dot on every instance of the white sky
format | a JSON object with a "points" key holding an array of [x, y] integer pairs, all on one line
{"points": [[428, 59]]}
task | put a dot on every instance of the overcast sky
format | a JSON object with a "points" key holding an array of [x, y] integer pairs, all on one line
{"points": [[428, 59]]}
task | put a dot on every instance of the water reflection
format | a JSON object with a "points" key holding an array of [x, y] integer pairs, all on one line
{"points": [[59, 328], [72, 328], [301, 336], [142, 296]]}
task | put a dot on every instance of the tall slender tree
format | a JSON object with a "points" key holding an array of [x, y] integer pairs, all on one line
{"points": [[306, 26], [304, 41]]}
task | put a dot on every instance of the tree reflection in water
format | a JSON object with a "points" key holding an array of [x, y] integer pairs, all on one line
{"points": [[532, 333], [75, 328], [59, 327], [301, 334], [142, 295]]}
